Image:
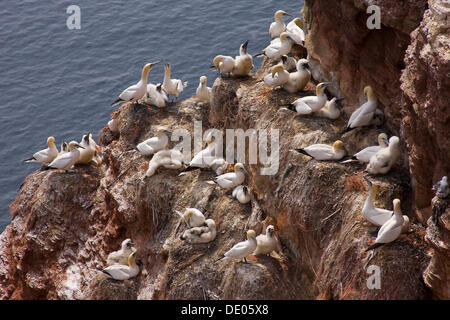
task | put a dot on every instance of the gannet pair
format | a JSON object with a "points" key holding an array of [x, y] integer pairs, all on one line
{"points": [[203, 92], [385, 158], [121, 256], [201, 234], [242, 249], [300, 78], [192, 217], [123, 272], [365, 154], [294, 31], [156, 95], [391, 229], [330, 110], [278, 26], [442, 188], [137, 91], [242, 194], [278, 76], [276, 49], [378, 216], [154, 144], [310, 104], [172, 86], [170, 159], [364, 114], [88, 150], [231, 179], [266, 243], [47, 155], [325, 152], [240, 66], [68, 159]]}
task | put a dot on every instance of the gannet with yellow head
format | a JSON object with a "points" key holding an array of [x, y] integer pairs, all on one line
{"points": [[300, 78], [364, 114], [47, 155], [278, 26], [203, 92], [295, 31], [266, 243], [121, 256], [276, 49], [172, 86], [154, 144], [232, 179], [169, 159], [242, 249], [123, 272], [277, 77], [192, 217], [365, 154], [243, 62], [223, 64], [67, 160], [310, 104], [385, 158], [325, 152]]}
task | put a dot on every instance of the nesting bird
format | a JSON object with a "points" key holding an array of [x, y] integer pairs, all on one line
{"points": [[232, 179], [123, 272], [172, 86], [121, 256], [223, 64], [47, 155], [137, 91], [325, 152], [278, 26], [192, 217], [310, 104], [330, 110], [156, 95], [201, 234], [365, 113], [154, 144], [300, 78], [89, 147], [242, 194], [276, 49], [242, 249], [68, 159], [365, 154], [243, 63], [442, 188], [278, 76], [170, 159], [385, 158], [205, 157], [266, 243], [203, 92], [295, 31]]}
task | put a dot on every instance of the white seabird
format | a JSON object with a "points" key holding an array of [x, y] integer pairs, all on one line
{"points": [[310, 104], [192, 217], [300, 78], [391, 229], [266, 243], [278, 26], [123, 272], [442, 188], [137, 91], [121, 256], [277, 77], [67, 160], [242, 249], [385, 158], [295, 31], [243, 63], [205, 157], [276, 49], [170, 159], [203, 92], [172, 86], [231, 179], [330, 110], [201, 234], [364, 114], [154, 144], [242, 194], [87, 153], [223, 64], [365, 154], [47, 155], [325, 152], [156, 95]]}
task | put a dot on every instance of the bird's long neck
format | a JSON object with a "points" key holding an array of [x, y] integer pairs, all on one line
{"points": [[131, 262], [166, 74]]}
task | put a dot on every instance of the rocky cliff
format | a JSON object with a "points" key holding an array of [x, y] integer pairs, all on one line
{"points": [[65, 224]]}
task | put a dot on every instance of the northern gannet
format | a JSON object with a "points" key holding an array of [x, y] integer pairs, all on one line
{"points": [[278, 26], [192, 217], [330, 110], [201, 234], [365, 154], [154, 144], [156, 95], [205, 157], [325, 152], [67, 160], [442, 188], [64, 148], [121, 256], [289, 63], [223, 64], [241, 193], [231, 179], [47, 155], [137, 91], [300, 78], [170, 159], [378, 216], [123, 272], [172, 86], [364, 114], [391, 229], [385, 158], [266, 243], [113, 124], [87, 153], [295, 31], [243, 63], [310, 104], [203, 92], [276, 49], [277, 77], [218, 165], [242, 249]]}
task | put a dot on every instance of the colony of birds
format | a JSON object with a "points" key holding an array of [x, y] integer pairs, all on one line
{"points": [[289, 75]]}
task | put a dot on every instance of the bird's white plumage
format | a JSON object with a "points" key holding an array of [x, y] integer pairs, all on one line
{"points": [[155, 95], [277, 77], [295, 32], [224, 64], [201, 234], [123, 272], [121, 256], [172, 86], [243, 63], [203, 92], [68, 159], [242, 249], [365, 113], [298, 79], [266, 243], [310, 104], [278, 48], [192, 217], [154, 144], [392, 228], [88, 153], [170, 159], [330, 110], [231, 179], [138, 90], [47, 155], [385, 158], [365, 154], [242, 194]]}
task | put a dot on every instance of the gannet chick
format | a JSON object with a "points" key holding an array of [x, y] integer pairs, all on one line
{"points": [[289, 63], [137, 91], [242, 249], [223, 64], [243, 62], [232, 179], [201, 234], [47, 155], [325, 152], [266, 243], [310, 104], [170, 159], [113, 124], [299, 79], [67, 160], [365, 154], [442, 188], [193, 217], [172, 86], [87, 153], [203, 92], [330, 110], [385, 158], [364, 114], [241, 193], [391, 229], [123, 272], [295, 31], [276, 49], [121, 256], [154, 144], [277, 77], [278, 26], [156, 95]]}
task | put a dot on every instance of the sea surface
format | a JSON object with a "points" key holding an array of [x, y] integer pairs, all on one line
{"points": [[61, 82]]}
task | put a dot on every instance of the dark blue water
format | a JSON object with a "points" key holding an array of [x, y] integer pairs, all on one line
{"points": [[61, 82]]}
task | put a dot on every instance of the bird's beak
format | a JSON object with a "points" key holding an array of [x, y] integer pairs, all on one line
{"points": [[325, 84], [287, 14], [368, 181], [153, 64], [244, 46], [78, 146], [132, 244]]}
